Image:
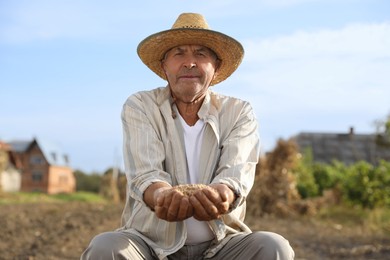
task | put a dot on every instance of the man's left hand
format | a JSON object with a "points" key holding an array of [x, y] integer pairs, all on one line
{"points": [[211, 202]]}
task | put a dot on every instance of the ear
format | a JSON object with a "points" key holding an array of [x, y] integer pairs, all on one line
{"points": [[162, 64], [215, 74], [217, 65]]}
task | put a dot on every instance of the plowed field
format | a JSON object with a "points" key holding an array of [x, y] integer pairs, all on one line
{"points": [[63, 230]]}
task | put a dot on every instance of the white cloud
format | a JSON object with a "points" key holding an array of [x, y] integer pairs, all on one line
{"points": [[324, 80], [353, 40], [346, 66]]}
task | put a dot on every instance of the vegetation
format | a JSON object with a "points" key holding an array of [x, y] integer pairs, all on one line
{"points": [[88, 182], [111, 184], [79, 196], [289, 180], [371, 221], [37, 197], [360, 184], [290, 184], [383, 132]]}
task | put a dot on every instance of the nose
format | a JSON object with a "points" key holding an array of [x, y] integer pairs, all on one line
{"points": [[190, 63]]}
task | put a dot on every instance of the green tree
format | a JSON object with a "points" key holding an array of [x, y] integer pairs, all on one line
{"points": [[306, 183], [367, 185], [381, 185], [383, 131], [328, 176], [88, 182]]}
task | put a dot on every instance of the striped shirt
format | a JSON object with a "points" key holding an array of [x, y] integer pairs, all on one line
{"points": [[154, 151]]}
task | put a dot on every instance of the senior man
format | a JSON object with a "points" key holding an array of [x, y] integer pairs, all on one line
{"points": [[190, 156]]}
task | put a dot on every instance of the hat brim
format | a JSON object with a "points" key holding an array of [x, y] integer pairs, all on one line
{"points": [[153, 48]]}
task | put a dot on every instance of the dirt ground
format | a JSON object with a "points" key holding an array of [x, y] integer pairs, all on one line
{"points": [[63, 230]]}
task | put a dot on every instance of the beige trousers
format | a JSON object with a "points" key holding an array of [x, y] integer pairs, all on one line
{"points": [[245, 246]]}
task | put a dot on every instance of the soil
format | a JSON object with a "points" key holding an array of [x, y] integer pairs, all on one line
{"points": [[63, 230]]}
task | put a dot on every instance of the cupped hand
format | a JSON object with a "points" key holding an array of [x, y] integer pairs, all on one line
{"points": [[171, 205], [211, 202]]}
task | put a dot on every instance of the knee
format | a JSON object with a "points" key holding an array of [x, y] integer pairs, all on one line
{"points": [[273, 246], [102, 246]]}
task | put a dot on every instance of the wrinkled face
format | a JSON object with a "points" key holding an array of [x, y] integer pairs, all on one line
{"points": [[189, 70]]}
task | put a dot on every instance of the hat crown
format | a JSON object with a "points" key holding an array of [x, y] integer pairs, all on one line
{"points": [[190, 20]]}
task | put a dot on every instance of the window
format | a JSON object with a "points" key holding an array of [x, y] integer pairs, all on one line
{"points": [[37, 176], [54, 156], [66, 159], [37, 159]]}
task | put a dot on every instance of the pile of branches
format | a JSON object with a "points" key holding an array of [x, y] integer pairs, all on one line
{"points": [[274, 191]]}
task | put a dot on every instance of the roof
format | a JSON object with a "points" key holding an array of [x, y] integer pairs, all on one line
{"points": [[19, 146], [345, 147], [51, 151], [4, 146]]}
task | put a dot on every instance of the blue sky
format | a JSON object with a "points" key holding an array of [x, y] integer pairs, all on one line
{"points": [[67, 67]]}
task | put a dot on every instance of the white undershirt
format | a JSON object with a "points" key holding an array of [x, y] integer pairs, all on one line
{"points": [[197, 231]]}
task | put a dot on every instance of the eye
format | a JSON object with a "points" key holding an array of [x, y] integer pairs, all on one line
{"points": [[179, 53], [201, 54]]}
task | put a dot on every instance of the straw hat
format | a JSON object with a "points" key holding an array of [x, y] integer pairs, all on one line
{"points": [[191, 28]]}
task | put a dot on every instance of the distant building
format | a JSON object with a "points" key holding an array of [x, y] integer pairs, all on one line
{"points": [[43, 166], [345, 147], [10, 177]]}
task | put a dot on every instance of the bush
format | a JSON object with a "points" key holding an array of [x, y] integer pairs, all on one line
{"points": [[274, 189], [284, 176], [361, 183], [306, 183], [368, 186], [87, 182]]}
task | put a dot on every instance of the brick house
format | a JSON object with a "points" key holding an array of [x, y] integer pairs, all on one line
{"points": [[347, 147], [43, 167]]}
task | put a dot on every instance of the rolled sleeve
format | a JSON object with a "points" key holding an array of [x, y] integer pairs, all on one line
{"points": [[239, 156], [143, 150]]}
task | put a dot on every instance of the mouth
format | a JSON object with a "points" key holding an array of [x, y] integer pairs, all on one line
{"points": [[189, 77]]}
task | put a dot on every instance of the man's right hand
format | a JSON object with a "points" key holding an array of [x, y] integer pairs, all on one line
{"points": [[171, 205]]}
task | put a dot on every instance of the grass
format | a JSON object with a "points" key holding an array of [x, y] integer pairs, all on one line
{"points": [[36, 197], [371, 220], [80, 196]]}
